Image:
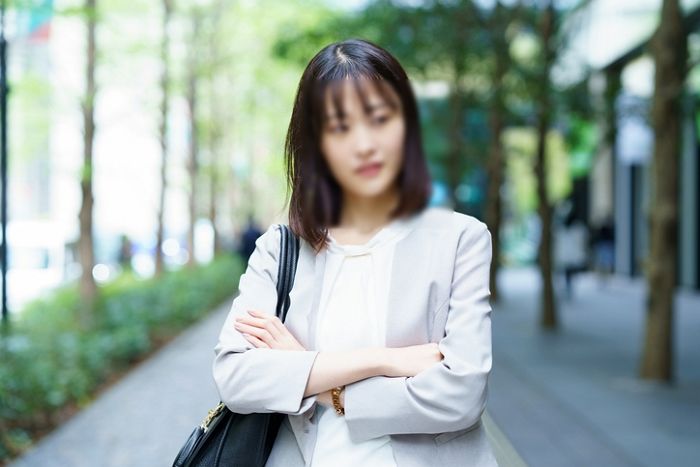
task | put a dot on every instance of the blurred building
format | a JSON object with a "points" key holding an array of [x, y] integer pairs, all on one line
{"points": [[619, 181]]}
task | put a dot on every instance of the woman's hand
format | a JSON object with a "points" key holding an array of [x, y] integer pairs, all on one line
{"points": [[411, 360], [266, 331]]}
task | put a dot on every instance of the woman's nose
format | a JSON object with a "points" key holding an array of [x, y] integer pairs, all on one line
{"points": [[364, 139]]}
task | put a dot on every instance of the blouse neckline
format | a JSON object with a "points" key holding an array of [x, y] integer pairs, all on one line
{"points": [[388, 232]]}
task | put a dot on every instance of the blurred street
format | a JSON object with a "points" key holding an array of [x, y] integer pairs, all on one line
{"points": [[573, 398]]}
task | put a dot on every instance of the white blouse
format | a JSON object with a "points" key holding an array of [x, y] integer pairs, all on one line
{"points": [[352, 315]]}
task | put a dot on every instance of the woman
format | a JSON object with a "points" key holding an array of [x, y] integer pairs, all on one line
{"points": [[390, 303]]}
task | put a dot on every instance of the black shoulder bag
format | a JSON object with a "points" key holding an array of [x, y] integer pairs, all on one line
{"points": [[229, 439]]}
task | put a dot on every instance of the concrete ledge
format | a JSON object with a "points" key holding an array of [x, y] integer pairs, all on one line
{"points": [[506, 455]]}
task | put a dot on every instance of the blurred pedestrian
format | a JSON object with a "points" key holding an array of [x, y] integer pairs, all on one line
{"points": [[125, 252], [604, 248], [571, 249], [250, 234]]}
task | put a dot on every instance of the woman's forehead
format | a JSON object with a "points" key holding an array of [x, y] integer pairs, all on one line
{"points": [[368, 93]]}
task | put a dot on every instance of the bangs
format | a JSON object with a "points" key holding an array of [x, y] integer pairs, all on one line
{"points": [[333, 87]]}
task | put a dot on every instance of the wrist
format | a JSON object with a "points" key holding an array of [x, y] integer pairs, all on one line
{"points": [[384, 358], [379, 361], [324, 398]]}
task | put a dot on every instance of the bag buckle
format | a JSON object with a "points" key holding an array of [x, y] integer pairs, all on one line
{"points": [[210, 416]]}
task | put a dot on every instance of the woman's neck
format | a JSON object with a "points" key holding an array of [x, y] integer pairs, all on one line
{"points": [[366, 215]]}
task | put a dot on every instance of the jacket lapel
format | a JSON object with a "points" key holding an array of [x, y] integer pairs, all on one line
{"points": [[319, 270], [409, 298]]}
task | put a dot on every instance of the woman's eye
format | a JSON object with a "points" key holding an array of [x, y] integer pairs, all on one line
{"points": [[380, 119]]}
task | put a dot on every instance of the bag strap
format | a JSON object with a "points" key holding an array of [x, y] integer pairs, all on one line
{"points": [[286, 269]]}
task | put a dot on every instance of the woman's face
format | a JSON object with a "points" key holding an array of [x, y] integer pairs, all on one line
{"points": [[372, 137]]}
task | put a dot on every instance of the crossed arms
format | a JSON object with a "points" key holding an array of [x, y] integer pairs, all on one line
{"points": [[388, 391]]}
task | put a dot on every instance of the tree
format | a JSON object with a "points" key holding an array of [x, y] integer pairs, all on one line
{"points": [[193, 80], [458, 66], [163, 131], [215, 125], [88, 287], [497, 25], [544, 209], [669, 47], [550, 101]]}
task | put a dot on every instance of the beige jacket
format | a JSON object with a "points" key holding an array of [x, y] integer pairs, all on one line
{"points": [[439, 292]]}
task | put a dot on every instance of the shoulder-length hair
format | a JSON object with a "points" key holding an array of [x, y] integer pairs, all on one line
{"points": [[316, 197]]}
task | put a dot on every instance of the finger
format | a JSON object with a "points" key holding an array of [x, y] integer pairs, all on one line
{"points": [[259, 314], [269, 322], [261, 333], [274, 320], [283, 338], [255, 341], [257, 322]]}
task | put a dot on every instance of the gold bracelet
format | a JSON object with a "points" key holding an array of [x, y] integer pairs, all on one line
{"points": [[335, 393]]}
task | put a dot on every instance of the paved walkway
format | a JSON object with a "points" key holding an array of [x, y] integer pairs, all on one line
{"points": [[573, 398]]}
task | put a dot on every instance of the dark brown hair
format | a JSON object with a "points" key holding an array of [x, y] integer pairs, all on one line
{"points": [[316, 197]]}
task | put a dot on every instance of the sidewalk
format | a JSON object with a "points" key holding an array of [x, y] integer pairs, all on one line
{"points": [[573, 398]]}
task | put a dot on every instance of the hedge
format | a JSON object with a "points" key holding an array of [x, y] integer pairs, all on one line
{"points": [[47, 362]]}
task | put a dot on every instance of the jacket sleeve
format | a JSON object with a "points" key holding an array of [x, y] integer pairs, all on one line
{"points": [[450, 395], [251, 379]]}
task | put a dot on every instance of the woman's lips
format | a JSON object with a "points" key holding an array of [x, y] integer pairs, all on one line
{"points": [[370, 170]]}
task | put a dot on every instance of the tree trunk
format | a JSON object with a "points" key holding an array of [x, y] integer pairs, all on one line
{"points": [[493, 198], [192, 162], [495, 161], [213, 196], [163, 132], [544, 209], [454, 157], [455, 165], [215, 141], [88, 287], [669, 48], [215, 127], [613, 85]]}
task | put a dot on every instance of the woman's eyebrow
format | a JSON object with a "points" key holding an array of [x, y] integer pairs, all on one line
{"points": [[377, 105], [329, 117]]}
